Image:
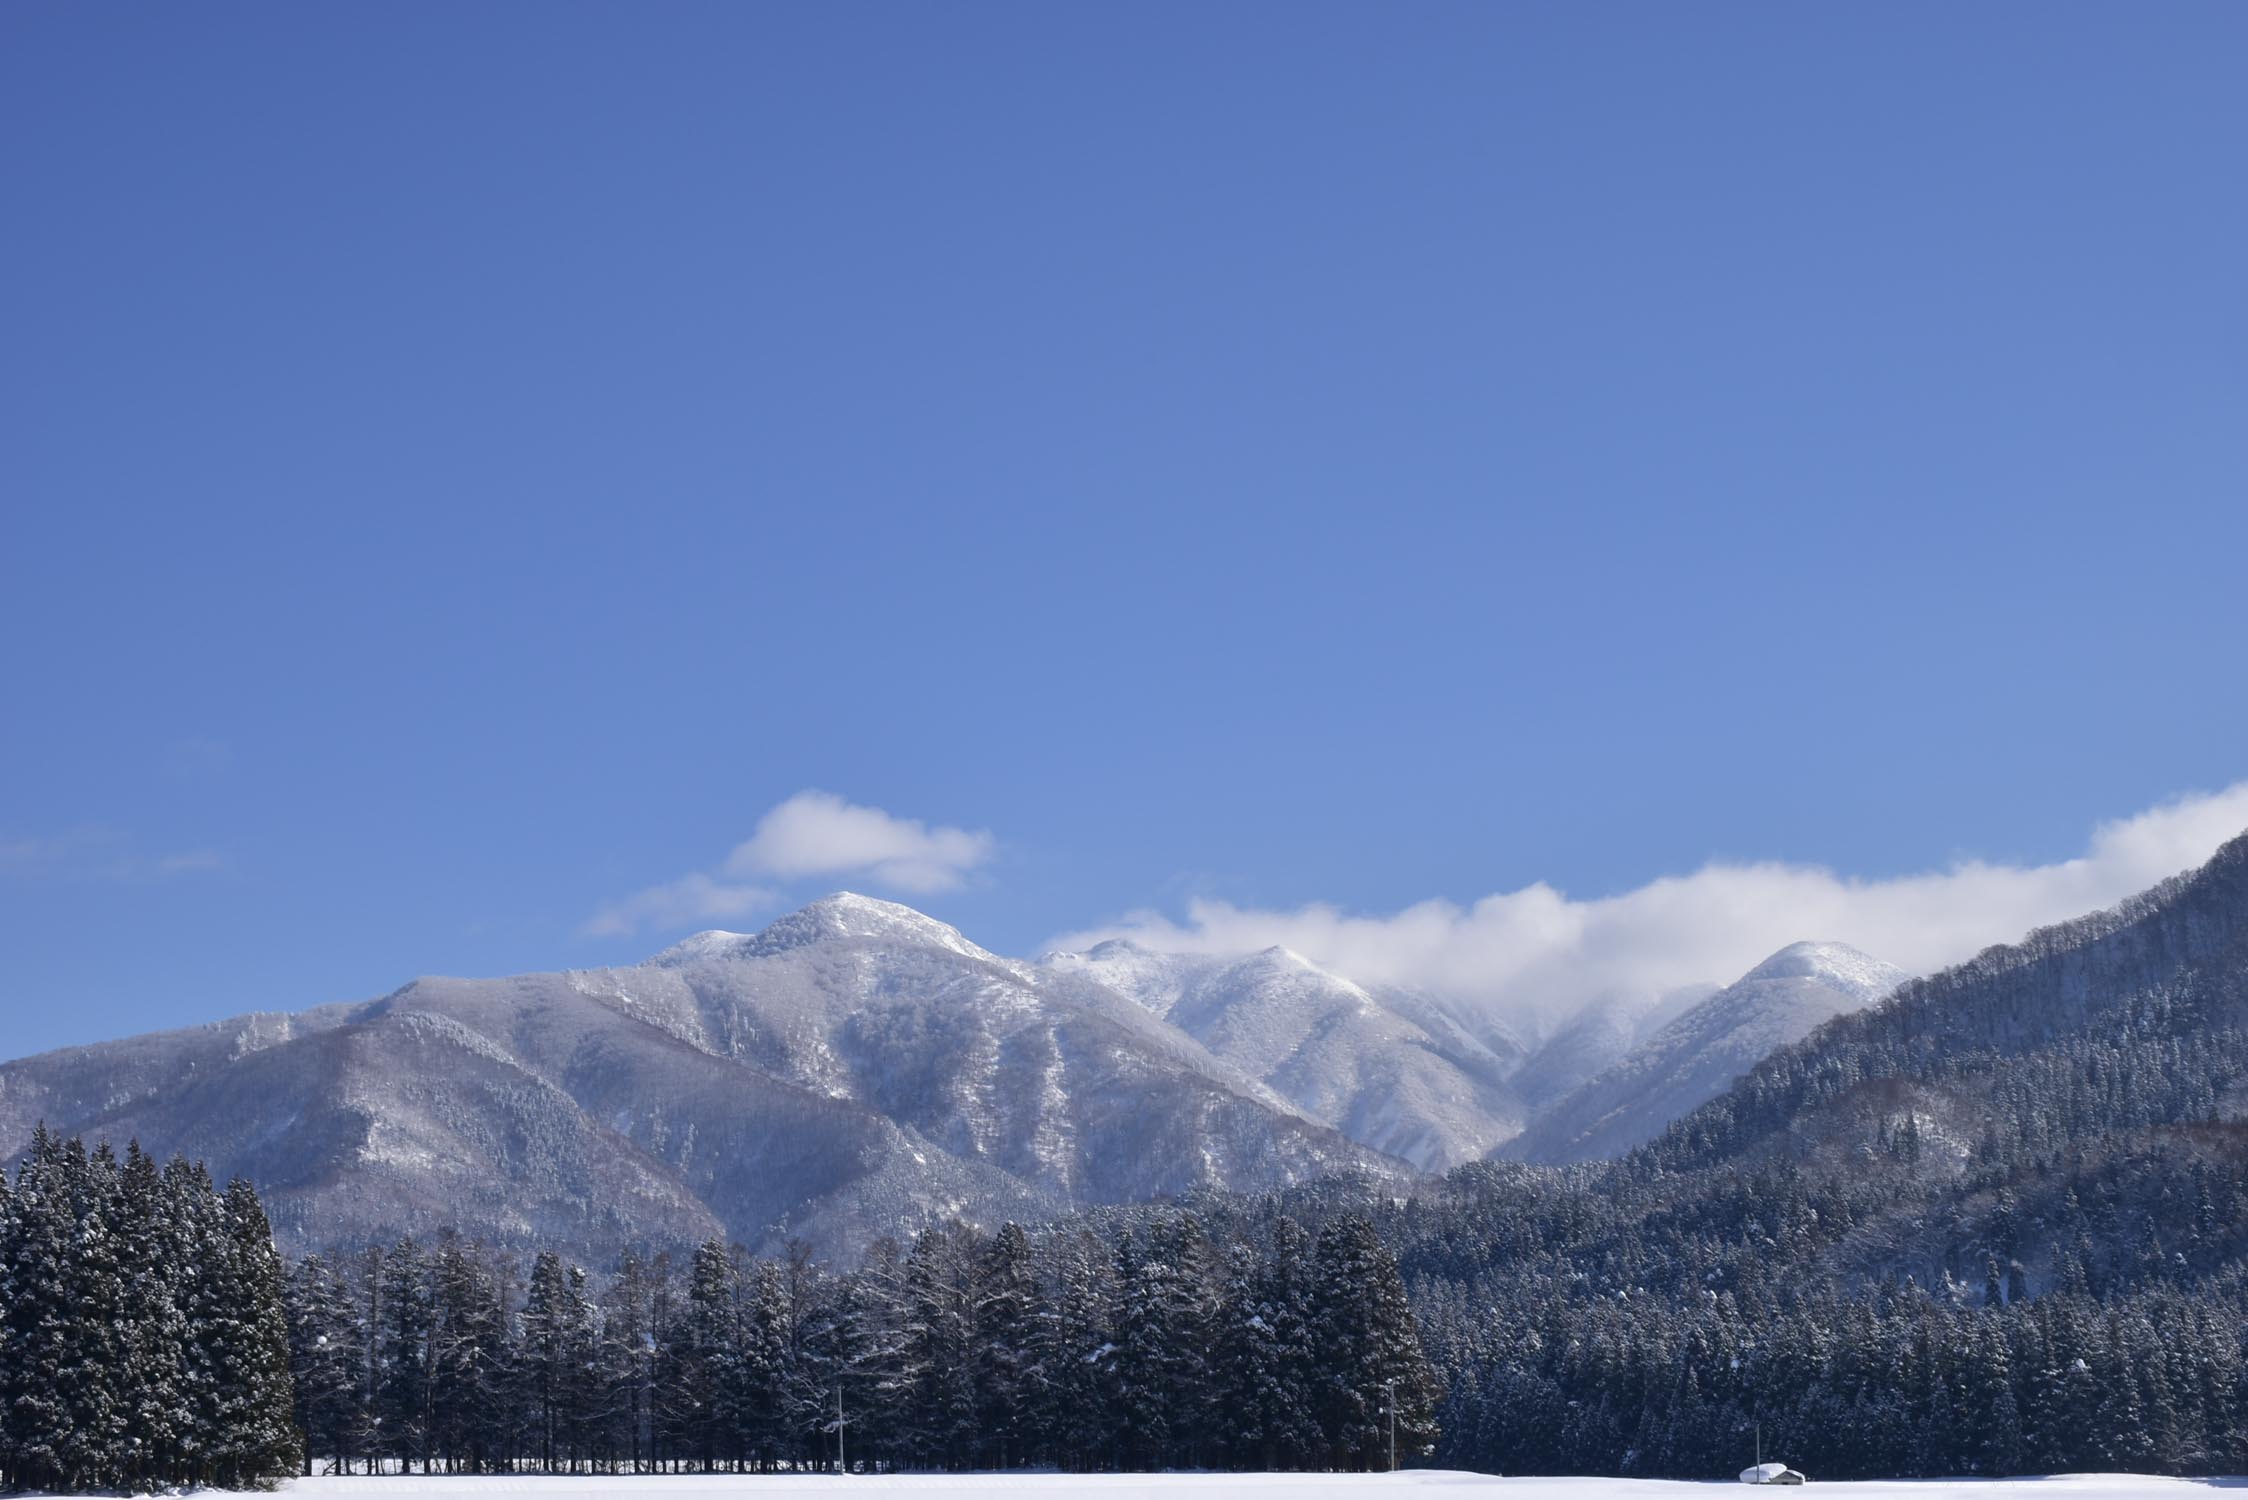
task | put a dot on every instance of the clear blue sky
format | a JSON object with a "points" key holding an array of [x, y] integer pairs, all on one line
{"points": [[464, 464]]}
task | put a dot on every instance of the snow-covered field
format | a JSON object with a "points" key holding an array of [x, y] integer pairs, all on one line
{"points": [[1422, 1484]]}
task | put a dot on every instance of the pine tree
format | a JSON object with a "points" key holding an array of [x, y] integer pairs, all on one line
{"points": [[626, 1359], [1072, 1367], [404, 1402], [694, 1378], [257, 1438], [545, 1358], [938, 1348], [470, 1382], [1006, 1295], [1153, 1359], [42, 1341], [152, 1321], [327, 1359], [1246, 1366], [1368, 1351], [192, 1206]]}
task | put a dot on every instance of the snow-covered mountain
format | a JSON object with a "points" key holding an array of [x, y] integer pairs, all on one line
{"points": [[856, 1068], [859, 1068], [1391, 1071], [1692, 1060]]}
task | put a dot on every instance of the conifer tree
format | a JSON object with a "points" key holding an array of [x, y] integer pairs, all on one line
{"points": [[327, 1362], [1368, 1351], [42, 1340], [1006, 1293], [403, 1401], [256, 1435], [152, 1320]]}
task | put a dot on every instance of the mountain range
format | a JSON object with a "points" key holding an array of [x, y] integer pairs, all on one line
{"points": [[859, 1068]]}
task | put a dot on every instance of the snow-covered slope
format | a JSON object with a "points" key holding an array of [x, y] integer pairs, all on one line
{"points": [[1385, 1070], [856, 1068], [1690, 1061]]}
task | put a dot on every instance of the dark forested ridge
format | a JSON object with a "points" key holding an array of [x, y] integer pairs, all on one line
{"points": [[1998, 1223]]}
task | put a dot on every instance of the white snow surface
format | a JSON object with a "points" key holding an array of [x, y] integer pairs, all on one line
{"points": [[1451, 1485]]}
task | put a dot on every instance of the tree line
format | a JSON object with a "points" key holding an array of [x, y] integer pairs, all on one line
{"points": [[1898, 1386], [1149, 1346], [142, 1336]]}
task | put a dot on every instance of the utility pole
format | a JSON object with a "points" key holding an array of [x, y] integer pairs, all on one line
{"points": [[842, 1465]]}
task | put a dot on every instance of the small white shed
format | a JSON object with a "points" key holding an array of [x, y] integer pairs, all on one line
{"points": [[1770, 1474]]}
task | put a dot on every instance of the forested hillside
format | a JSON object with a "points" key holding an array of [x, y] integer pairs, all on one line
{"points": [[1997, 1223]]}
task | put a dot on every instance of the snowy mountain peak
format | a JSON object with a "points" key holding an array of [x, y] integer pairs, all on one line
{"points": [[1835, 965], [1697, 1055], [842, 917]]}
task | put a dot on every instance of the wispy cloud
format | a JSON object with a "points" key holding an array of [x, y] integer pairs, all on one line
{"points": [[98, 854], [812, 834], [690, 901], [1534, 955]]}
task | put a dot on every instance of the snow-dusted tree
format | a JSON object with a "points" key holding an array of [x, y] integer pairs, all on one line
{"points": [[256, 1435], [694, 1379], [151, 1320], [44, 1342], [1368, 1352], [327, 1362], [408, 1316], [1006, 1298], [625, 1358], [472, 1419], [1145, 1356], [939, 1418], [544, 1360], [760, 1373]]}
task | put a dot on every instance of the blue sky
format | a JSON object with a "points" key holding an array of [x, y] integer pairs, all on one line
{"points": [[467, 465]]}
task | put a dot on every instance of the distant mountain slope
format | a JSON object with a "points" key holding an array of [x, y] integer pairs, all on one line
{"points": [[2004, 1210], [2129, 1017], [1691, 1060], [855, 1069], [1387, 1070]]}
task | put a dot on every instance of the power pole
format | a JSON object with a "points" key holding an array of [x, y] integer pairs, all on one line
{"points": [[842, 1465]]}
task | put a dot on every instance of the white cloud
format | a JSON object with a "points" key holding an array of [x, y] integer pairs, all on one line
{"points": [[811, 834], [1535, 955], [818, 833], [690, 901]]}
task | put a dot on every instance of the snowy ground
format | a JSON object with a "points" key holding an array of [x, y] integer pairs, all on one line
{"points": [[1425, 1484]]}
